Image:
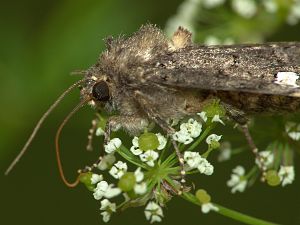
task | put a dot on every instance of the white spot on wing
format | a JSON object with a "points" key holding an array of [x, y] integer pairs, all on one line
{"points": [[287, 78]]}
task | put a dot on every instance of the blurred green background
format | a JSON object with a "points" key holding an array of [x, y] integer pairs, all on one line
{"points": [[41, 42]]}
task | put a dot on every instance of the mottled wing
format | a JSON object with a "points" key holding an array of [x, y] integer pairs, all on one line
{"points": [[246, 68]]}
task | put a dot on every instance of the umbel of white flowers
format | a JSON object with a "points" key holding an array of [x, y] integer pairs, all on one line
{"points": [[135, 182]]}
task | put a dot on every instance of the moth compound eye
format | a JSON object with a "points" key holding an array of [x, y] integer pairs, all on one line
{"points": [[100, 91]]}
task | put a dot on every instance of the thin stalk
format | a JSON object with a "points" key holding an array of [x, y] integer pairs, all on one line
{"points": [[202, 136], [124, 152], [229, 212]]}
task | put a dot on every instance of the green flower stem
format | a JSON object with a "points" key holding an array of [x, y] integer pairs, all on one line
{"points": [[251, 172], [192, 172], [237, 151], [224, 211], [202, 136], [205, 154], [126, 154], [229, 212], [288, 155], [241, 217], [277, 155]]}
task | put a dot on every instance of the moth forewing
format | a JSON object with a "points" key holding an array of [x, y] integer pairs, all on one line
{"points": [[246, 68]]}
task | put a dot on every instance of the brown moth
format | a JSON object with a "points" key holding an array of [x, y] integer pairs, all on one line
{"points": [[149, 78]]}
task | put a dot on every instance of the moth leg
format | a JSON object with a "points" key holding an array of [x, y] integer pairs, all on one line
{"points": [[254, 149], [92, 130], [242, 120], [154, 115]]}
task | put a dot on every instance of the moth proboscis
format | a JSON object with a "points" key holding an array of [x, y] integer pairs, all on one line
{"points": [[149, 78]]}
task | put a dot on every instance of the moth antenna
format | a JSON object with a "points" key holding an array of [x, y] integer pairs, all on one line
{"points": [[38, 125], [78, 72], [57, 149]]}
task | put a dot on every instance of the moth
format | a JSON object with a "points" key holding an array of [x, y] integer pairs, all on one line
{"points": [[149, 78]]}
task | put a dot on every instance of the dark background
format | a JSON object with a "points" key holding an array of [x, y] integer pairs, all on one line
{"points": [[41, 42]]}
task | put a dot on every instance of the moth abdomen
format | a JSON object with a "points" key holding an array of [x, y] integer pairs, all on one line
{"points": [[252, 103]]}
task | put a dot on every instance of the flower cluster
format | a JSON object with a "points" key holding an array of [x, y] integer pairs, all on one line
{"points": [[195, 160], [149, 172], [264, 159], [273, 169], [128, 181], [188, 131], [157, 174], [237, 181]]}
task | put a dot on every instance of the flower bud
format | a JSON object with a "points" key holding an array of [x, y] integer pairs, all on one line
{"points": [[148, 141], [203, 196], [85, 178], [214, 108], [272, 178], [127, 182]]}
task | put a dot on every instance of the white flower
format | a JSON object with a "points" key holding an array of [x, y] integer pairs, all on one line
{"points": [[112, 191], [140, 188], [205, 167], [225, 152], [212, 40], [100, 190], [106, 216], [193, 127], [270, 6], [182, 136], [287, 78], [265, 159], [162, 141], [108, 208], [245, 8], [293, 130], [118, 170], [149, 157], [135, 148], [153, 212], [188, 131], [139, 175], [203, 116], [213, 137], [105, 190], [113, 145], [96, 178], [99, 131], [212, 3], [193, 159], [205, 208], [294, 14], [106, 162], [237, 181], [294, 135], [217, 119], [286, 174], [228, 41]]}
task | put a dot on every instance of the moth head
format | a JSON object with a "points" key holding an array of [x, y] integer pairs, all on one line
{"points": [[100, 91], [97, 89]]}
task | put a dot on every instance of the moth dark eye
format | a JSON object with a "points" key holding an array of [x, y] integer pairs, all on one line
{"points": [[100, 91]]}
